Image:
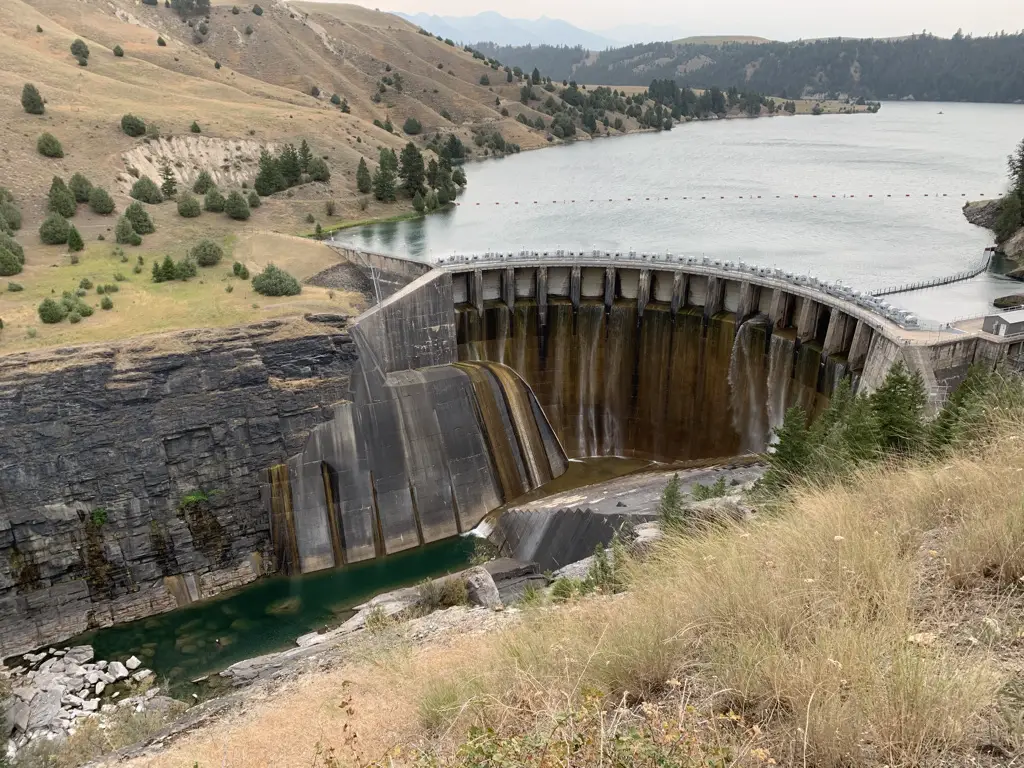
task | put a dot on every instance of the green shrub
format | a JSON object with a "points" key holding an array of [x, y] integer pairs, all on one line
{"points": [[110, 287], [203, 183], [9, 264], [442, 593], [318, 170], [214, 201], [207, 253], [248, 29], [107, 303], [257, 10], [161, 42], [79, 49], [132, 125], [125, 234], [274, 281], [119, 277], [146, 190], [118, 51], [140, 220], [100, 201], [15, 287], [412, 126], [228, 288], [188, 206], [240, 270], [185, 269], [85, 283], [75, 243], [12, 245], [31, 101], [254, 199], [10, 216], [59, 199], [195, 127], [51, 311], [80, 187], [235, 10], [54, 229], [49, 146], [237, 207], [74, 317]]}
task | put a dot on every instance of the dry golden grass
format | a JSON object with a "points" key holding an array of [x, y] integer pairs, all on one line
{"points": [[842, 630]]}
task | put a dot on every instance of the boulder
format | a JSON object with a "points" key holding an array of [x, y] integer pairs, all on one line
{"points": [[481, 588], [983, 213], [80, 654], [1014, 247], [45, 709], [141, 675], [19, 716], [91, 705], [92, 678], [118, 670], [100, 686], [133, 663]]}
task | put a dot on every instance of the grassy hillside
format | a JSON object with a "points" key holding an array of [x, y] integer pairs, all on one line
{"points": [[247, 81]]}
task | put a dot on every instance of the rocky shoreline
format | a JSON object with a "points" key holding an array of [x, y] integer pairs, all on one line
{"points": [[985, 213]]}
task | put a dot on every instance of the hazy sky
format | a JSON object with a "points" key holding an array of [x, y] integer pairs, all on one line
{"points": [[781, 19]]}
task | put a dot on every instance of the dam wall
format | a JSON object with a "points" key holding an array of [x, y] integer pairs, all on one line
{"points": [[100, 445]]}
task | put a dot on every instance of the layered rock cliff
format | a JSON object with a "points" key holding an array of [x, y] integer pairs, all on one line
{"points": [[129, 472]]}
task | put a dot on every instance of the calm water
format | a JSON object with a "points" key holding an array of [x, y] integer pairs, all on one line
{"points": [[907, 148], [267, 615]]}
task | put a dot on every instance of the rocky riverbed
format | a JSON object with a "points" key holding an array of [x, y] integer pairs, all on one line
{"points": [[54, 690]]}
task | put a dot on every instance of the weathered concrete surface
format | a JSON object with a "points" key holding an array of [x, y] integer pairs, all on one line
{"points": [[130, 428]]}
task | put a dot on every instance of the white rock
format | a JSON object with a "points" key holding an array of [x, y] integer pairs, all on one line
{"points": [[91, 706], [80, 654], [74, 701], [101, 665], [141, 675], [100, 686], [133, 663], [93, 678], [118, 670], [107, 678]]}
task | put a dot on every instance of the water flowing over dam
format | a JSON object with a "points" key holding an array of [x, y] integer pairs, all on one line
{"points": [[476, 382]]}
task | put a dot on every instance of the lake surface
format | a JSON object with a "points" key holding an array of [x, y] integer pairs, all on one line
{"points": [[868, 242]]}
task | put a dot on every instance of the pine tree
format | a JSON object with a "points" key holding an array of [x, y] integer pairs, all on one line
{"points": [[31, 101], [60, 199], [80, 187], [269, 179], [417, 202], [170, 183], [899, 407], [75, 243], [792, 450], [203, 183], [432, 169], [290, 166], [384, 184], [304, 156], [411, 170], [535, 77], [236, 206], [670, 507], [363, 180]]}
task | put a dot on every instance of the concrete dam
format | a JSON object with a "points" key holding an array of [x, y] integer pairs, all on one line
{"points": [[479, 379]]}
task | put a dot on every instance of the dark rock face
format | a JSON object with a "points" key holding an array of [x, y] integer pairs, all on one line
{"points": [[983, 213], [129, 472]]}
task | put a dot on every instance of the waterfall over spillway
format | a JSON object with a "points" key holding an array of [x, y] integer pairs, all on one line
{"points": [[748, 385]]}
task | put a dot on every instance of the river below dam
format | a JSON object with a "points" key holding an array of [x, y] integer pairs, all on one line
{"points": [[757, 190]]}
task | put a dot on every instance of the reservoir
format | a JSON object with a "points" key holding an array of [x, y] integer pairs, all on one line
{"points": [[645, 191]]}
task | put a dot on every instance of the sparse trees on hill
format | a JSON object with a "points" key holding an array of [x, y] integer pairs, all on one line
{"points": [[146, 190], [31, 101], [254, 199], [132, 125], [100, 201], [49, 146], [304, 156], [207, 253], [60, 199], [118, 51], [75, 243], [412, 126], [385, 176], [186, 8], [411, 170], [318, 170]]}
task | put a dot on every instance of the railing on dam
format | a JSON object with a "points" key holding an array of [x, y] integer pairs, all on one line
{"points": [[739, 269], [980, 265]]}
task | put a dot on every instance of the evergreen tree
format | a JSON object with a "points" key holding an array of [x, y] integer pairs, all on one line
{"points": [[535, 77], [411, 170], [792, 450], [125, 233], [417, 202], [254, 200], [79, 49], [203, 183], [169, 187], [290, 166], [899, 407], [80, 187], [670, 507], [363, 180], [214, 201], [48, 145], [141, 223], [964, 411], [269, 179], [236, 206], [54, 229], [384, 183], [318, 170], [100, 201], [31, 101], [432, 173], [75, 243], [459, 177], [1010, 218], [60, 200], [304, 156], [188, 206]]}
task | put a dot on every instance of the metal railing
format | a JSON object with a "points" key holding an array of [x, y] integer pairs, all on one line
{"points": [[979, 266], [837, 289]]}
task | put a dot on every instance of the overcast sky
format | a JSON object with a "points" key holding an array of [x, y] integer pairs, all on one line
{"points": [[780, 20]]}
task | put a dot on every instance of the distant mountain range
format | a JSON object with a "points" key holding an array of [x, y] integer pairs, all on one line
{"points": [[492, 27]]}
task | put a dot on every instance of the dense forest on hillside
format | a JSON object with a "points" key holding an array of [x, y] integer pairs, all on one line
{"points": [[924, 67]]}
